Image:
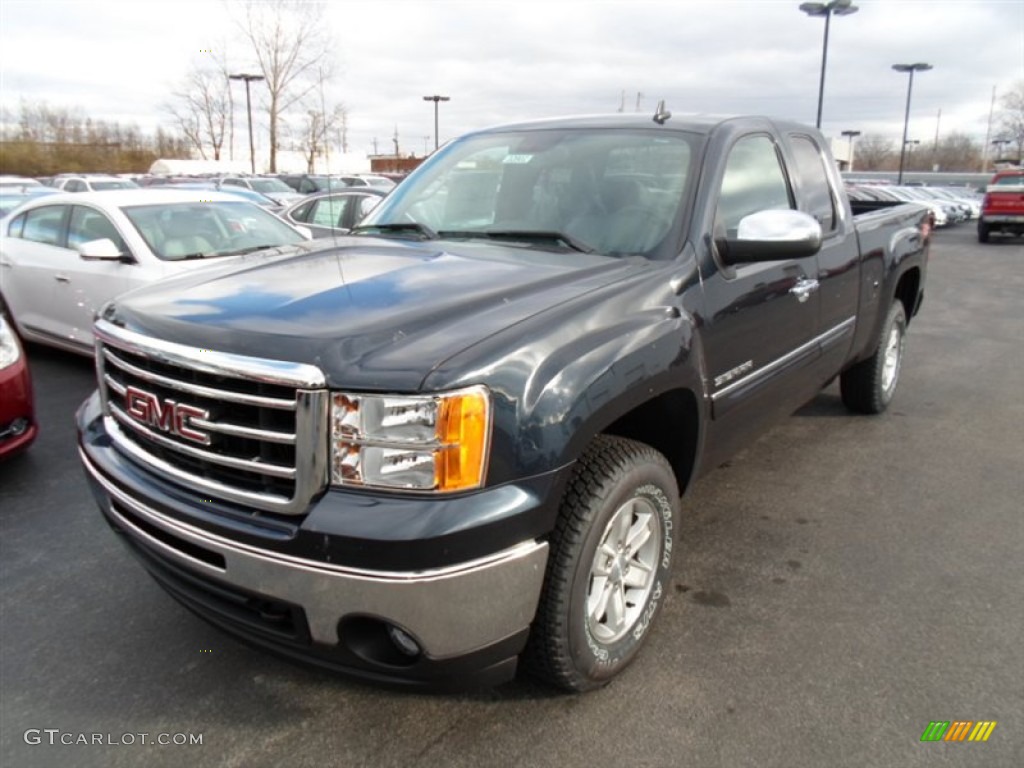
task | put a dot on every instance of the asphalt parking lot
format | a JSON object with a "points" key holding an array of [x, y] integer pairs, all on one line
{"points": [[841, 583]]}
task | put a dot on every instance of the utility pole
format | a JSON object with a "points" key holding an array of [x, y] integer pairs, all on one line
{"points": [[638, 97], [988, 131]]}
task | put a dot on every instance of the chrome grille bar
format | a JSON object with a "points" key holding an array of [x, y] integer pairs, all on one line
{"points": [[251, 465], [198, 389]]}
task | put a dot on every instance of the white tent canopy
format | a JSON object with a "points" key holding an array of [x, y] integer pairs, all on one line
{"points": [[175, 167]]}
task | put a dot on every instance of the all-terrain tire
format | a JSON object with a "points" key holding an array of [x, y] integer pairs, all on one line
{"points": [[869, 386], [609, 566]]}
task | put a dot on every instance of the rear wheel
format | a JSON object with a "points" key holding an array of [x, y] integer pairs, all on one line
{"points": [[983, 231], [869, 386], [609, 567]]}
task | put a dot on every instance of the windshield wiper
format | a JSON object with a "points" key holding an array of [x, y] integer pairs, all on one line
{"points": [[250, 249], [525, 235], [398, 226]]}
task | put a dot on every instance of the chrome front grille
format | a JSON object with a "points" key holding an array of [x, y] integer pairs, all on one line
{"points": [[243, 429]]}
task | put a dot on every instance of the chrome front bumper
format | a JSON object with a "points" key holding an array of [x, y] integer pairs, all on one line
{"points": [[450, 611]]}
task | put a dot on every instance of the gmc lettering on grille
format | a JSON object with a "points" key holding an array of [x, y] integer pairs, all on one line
{"points": [[166, 415]]}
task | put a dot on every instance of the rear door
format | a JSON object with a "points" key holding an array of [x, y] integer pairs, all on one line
{"points": [[838, 272]]}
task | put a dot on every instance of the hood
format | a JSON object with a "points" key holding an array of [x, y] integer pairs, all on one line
{"points": [[372, 314]]}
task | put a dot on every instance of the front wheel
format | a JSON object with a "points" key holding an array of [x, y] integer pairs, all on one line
{"points": [[869, 386], [609, 568]]}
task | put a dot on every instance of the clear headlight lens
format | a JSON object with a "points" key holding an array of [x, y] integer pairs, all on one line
{"points": [[10, 350], [413, 442]]}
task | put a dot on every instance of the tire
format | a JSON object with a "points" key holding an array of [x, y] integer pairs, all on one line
{"points": [[869, 386], [620, 490], [982, 232]]}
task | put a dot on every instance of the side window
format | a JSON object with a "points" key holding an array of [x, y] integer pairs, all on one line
{"points": [[43, 225], [234, 182], [302, 212], [76, 186], [306, 186], [87, 225], [754, 181], [17, 226], [813, 180], [327, 212]]}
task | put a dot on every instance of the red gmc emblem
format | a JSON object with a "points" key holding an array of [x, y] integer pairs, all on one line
{"points": [[166, 415]]}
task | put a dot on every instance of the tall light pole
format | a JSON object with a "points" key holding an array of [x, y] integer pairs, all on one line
{"points": [[919, 66], [839, 8], [248, 106], [435, 98], [850, 136]]}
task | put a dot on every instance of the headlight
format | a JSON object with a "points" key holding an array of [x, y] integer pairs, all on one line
{"points": [[10, 350], [412, 442]]}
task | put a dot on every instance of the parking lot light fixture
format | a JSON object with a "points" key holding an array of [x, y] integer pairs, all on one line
{"points": [[919, 66], [435, 98], [850, 136], [248, 106], [837, 8]]}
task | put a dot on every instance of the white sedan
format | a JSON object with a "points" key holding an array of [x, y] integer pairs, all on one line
{"points": [[62, 257]]}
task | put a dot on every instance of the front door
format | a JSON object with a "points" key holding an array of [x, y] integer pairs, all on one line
{"points": [[760, 319]]}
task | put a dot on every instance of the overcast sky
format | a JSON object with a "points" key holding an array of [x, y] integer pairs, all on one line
{"points": [[506, 61]]}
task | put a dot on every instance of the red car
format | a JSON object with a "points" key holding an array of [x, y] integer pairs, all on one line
{"points": [[17, 415]]}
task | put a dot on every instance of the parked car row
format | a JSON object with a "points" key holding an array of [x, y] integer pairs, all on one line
{"points": [[947, 206]]}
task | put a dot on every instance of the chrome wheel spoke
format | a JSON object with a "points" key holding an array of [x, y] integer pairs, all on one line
{"points": [[637, 578], [623, 520], [639, 534], [600, 591], [617, 608]]}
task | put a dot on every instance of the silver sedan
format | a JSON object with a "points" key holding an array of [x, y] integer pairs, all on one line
{"points": [[62, 257], [333, 213]]}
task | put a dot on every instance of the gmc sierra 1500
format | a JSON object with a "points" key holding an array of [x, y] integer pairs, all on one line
{"points": [[459, 437]]}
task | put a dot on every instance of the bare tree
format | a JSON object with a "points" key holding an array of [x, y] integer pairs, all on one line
{"points": [[201, 108], [1011, 117], [316, 130], [293, 52], [957, 152], [874, 153]]}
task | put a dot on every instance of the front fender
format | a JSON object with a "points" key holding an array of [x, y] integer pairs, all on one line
{"points": [[568, 373]]}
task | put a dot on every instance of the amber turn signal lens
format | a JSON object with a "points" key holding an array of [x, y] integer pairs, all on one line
{"points": [[462, 428]]}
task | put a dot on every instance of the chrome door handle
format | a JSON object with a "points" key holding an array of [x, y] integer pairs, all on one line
{"points": [[804, 288], [62, 278]]}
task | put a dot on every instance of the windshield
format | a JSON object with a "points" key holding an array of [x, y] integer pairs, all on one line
{"points": [[615, 192], [1010, 181], [177, 231], [101, 185], [270, 185]]}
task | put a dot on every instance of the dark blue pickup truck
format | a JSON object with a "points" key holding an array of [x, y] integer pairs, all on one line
{"points": [[457, 439]]}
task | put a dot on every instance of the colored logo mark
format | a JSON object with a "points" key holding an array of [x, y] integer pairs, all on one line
{"points": [[958, 730]]}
